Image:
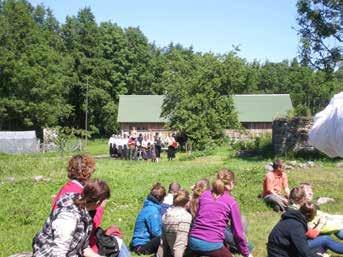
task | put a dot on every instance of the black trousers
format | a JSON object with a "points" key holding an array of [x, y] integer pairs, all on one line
{"points": [[149, 248]]}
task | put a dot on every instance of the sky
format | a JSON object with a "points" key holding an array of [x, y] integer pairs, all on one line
{"points": [[263, 29]]}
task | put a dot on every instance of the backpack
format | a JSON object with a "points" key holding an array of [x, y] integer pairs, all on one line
{"points": [[107, 244]]}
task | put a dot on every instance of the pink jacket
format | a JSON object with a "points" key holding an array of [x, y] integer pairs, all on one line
{"points": [[73, 186]]}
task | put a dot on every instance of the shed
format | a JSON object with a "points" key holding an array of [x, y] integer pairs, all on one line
{"points": [[18, 142]]}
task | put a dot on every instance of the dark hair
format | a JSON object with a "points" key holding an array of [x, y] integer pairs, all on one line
{"points": [[309, 210], [181, 198], [174, 187], [297, 195], [277, 164], [81, 167], [158, 191], [94, 191]]}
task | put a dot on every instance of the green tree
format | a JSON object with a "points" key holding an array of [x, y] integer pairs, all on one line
{"points": [[193, 103], [32, 91], [321, 30]]}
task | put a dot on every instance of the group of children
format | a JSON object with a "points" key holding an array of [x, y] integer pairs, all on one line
{"points": [[204, 222], [141, 147]]}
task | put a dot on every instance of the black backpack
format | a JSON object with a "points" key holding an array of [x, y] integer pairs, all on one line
{"points": [[108, 245]]}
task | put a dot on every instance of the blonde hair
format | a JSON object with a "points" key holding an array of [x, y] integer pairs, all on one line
{"points": [[181, 198], [224, 178], [200, 186]]}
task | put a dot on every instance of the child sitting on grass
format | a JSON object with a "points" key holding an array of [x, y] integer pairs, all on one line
{"points": [[176, 225], [216, 208], [147, 232]]}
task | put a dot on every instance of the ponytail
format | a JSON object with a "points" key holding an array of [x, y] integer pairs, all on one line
{"points": [[218, 187], [224, 178]]}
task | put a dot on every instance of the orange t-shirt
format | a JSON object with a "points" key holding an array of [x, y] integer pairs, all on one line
{"points": [[274, 181]]}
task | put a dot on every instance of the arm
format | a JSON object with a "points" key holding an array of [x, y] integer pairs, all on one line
{"points": [[154, 223], [285, 185], [63, 228], [237, 230], [98, 217], [298, 239], [182, 237]]}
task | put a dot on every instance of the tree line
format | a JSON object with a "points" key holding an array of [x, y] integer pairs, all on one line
{"points": [[48, 70]]}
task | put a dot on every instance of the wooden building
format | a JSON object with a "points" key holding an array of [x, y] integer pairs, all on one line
{"points": [[255, 112]]}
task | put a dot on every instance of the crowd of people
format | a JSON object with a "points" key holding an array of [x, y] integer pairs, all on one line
{"points": [[134, 146], [204, 222]]}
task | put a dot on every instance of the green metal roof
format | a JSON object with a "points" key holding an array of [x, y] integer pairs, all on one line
{"points": [[140, 108], [250, 108], [261, 108]]}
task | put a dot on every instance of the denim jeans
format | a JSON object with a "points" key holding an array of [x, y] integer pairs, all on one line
{"points": [[326, 243]]}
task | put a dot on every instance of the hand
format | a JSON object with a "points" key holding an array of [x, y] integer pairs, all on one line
{"points": [[88, 252]]}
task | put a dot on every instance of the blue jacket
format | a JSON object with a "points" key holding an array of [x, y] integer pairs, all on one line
{"points": [[148, 223]]}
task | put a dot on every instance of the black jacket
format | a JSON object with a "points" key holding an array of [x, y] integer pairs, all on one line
{"points": [[288, 239]]}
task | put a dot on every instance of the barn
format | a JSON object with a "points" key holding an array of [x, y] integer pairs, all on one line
{"points": [[255, 111]]}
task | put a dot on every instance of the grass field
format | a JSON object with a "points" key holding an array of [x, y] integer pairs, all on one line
{"points": [[25, 203]]}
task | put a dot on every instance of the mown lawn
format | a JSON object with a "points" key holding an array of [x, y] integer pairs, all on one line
{"points": [[25, 203]]}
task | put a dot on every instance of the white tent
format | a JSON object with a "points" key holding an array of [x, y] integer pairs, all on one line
{"points": [[18, 142], [326, 133]]}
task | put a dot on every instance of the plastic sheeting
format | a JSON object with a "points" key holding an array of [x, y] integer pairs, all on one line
{"points": [[18, 142], [326, 133]]}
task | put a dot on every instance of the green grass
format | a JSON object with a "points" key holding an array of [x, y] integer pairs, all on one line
{"points": [[25, 204]]}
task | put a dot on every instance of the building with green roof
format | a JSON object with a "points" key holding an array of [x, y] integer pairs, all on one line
{"points": [[254, 111]]}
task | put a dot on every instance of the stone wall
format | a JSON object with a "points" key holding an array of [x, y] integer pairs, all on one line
{"points": [[291, 135]]}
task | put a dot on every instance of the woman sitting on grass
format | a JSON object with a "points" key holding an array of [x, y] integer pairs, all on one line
{"points": [[315, 241], [176, 225], [216, 208], [147, 232], [80, 169], [288, 238], [66, 232]]}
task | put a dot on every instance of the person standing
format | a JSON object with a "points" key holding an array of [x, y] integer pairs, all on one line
{"points": [[158, 146], [275, 183], [111, 143]]}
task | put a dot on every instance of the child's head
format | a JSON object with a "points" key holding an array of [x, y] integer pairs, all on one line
{"points": [[308, 191], [297, 195], [81, 167], [200, 186], [174, 187], [224, 181], [94, 193], [158, 191], [309, 210], [181, 198]]}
